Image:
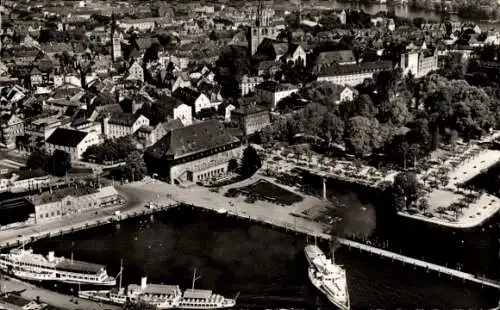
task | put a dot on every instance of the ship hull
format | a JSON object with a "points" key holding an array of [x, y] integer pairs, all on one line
{"points": [[317, 284]]}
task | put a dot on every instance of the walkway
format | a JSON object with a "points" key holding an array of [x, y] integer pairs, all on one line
{"points": [[420, 263]]}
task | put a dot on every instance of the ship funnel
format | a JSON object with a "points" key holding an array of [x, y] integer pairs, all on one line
{"points": [[144, 282], [51, 256]]}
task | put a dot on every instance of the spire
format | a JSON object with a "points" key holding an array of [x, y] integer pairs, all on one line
{"points": [[258, 16]]}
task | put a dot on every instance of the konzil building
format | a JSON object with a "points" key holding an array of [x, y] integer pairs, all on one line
{"points": [[196, 153]]}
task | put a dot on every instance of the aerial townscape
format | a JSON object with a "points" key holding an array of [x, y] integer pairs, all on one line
{"points": [[249, 154]]}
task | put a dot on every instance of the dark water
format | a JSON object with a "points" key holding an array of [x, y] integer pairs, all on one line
{"points": [[401, 11], [267, 266]]}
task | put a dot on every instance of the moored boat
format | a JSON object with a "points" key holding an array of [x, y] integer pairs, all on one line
{"points": [[26, 265]]}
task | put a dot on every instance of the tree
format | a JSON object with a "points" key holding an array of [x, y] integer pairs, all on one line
{"points": [[406, 189], [250, 162], [363, 135], [394, 111], [38, 159], [60, 163], [134, 168], [332, 128], [362, 106], [232, 165]]}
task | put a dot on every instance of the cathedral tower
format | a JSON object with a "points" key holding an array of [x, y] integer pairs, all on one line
{"points": [[116, 48], [261, 29]]}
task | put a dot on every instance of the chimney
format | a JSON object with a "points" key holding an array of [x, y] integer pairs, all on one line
{"points": [[144, 282], [51, 256]]}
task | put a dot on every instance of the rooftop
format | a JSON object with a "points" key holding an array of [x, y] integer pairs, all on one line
{"points": [[275, 86], [357, 68], [192, 139], [79, 266], [59, 194], [124, 119], [66, 137]]}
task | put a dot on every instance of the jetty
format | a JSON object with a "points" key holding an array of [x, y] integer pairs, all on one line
{"points": [[420, 263]]}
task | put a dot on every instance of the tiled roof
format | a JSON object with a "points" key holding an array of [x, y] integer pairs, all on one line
{"points": [[124, 119], [172, 124], [66, 137], [358, 68], [169, 102], [335, 57], [186, 95], [193, 139], [280, 48], [275, 86], [250, 109]]}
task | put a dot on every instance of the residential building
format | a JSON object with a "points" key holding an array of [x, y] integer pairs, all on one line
{"points": [[149, 135], [251, 118], [248, 83], [271, 92], [225, 109], [141, 24], [352, 75], [348, 94], [70, 201], [123, 124], [196, 100], [17, 183], [419, 62], [177, 109], [64, 96], [196, 153], [135, 73], [12, 126], [73, 142]]}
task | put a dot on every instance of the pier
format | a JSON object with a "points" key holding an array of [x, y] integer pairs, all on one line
{"points": [[420, 263], [314, 231]]}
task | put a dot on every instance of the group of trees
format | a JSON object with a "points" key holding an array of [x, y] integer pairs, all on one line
{"points": [[58, 164], [112, 150], [134, 168]]}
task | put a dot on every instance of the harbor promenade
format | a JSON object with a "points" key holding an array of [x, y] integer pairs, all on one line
{"points": [[85, 220], [163, 196], [288, 218]]}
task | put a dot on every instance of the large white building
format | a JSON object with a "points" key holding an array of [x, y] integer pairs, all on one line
{"points": [[73, 142], [123, 124], [352, 75], [271, 92], [419, 63]]}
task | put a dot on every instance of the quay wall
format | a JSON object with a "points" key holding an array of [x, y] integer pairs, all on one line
{"points": [[84, 225]]}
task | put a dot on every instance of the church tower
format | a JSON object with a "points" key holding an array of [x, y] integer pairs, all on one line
{"points": [[261, 28], [116, 52]]}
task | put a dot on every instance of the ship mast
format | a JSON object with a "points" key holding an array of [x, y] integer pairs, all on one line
{"points": [[120, 274], [194, 278]]}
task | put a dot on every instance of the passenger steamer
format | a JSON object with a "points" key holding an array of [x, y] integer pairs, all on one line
{"points": [[26, 265], [161, 296], [328, 277]]}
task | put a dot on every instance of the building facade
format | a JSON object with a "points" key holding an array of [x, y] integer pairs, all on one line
{"points": [[197, 153], [251, 118], [11, 128], [73, 142], [71, 201], [271, 92], [248, 83], [419, 63], [352, 75], [123, 124]]}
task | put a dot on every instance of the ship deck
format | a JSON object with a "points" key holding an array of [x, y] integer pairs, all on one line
{"points": [[156, 289], [79, 266], [197, 294]]}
